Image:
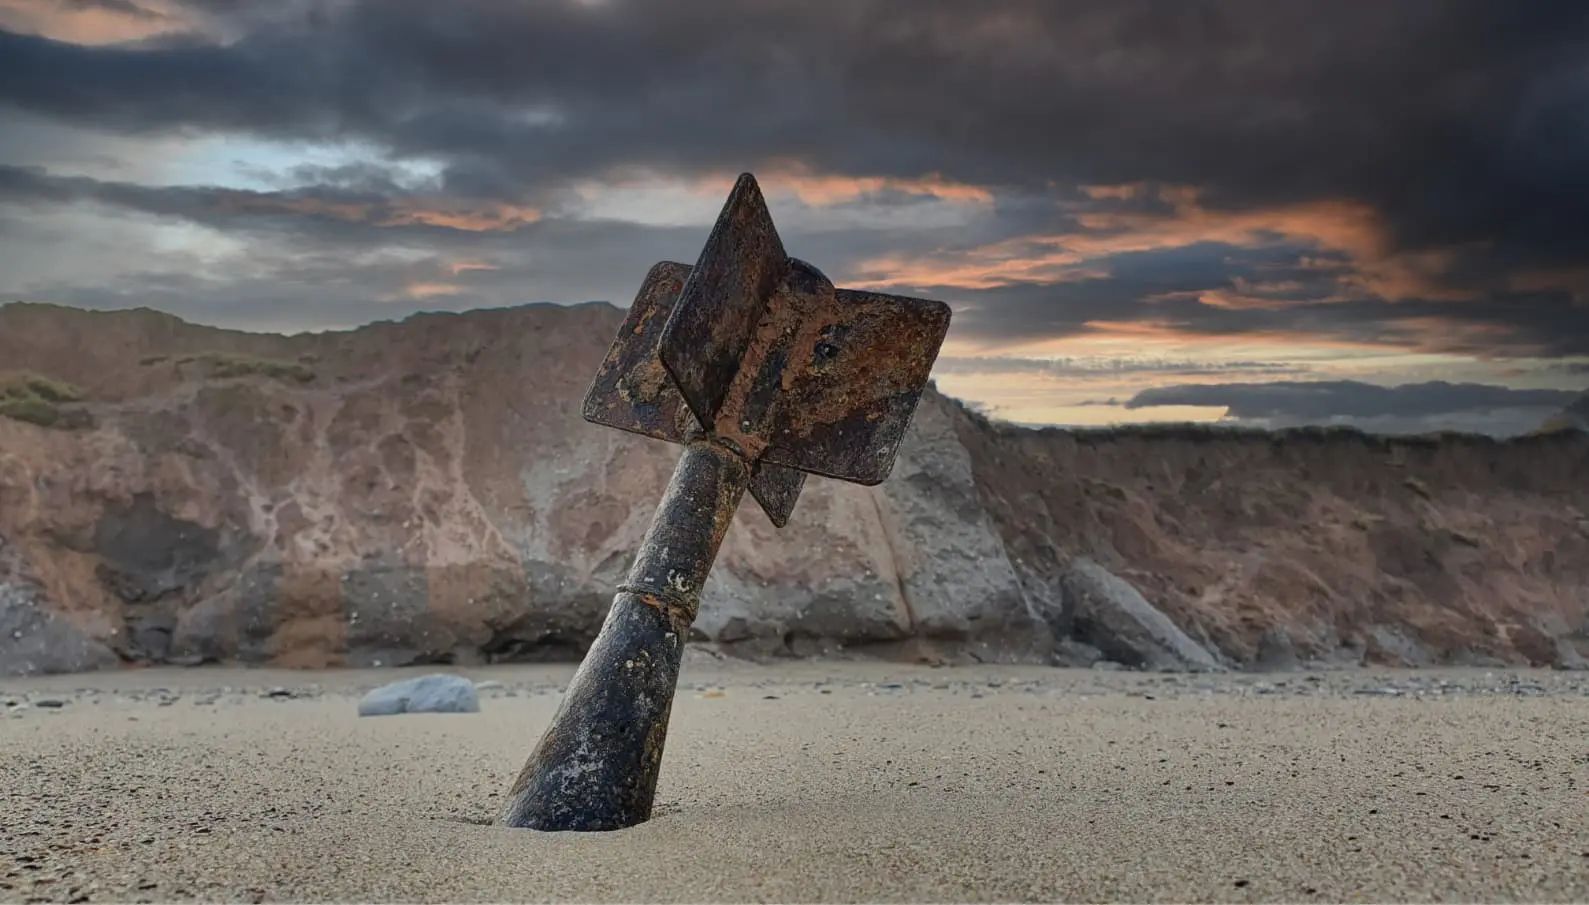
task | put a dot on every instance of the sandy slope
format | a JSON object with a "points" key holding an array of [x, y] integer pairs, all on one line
{"points": [[813, 782]]}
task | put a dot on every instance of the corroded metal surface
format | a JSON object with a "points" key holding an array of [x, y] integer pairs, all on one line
{"points": [[838, 379], [677, 552], [765, 373], [633, 391], [597, 764], [776, 489], [704, 342]]}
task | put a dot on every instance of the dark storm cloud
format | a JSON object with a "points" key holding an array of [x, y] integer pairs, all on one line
{"points": [[365, 207], [1510, 324], [354, 244], [1326, 400], [1171, 288], [355, 213], [1408, 409], [1460, 118], [1165, 287], [1070, 366], [1159, 285], [1458, 123]]}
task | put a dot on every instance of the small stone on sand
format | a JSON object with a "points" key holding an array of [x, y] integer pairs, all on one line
{"points": [[439, 693]]}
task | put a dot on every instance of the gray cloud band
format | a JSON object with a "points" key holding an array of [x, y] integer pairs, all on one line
{"points": [[1406, 409], [1457, 124]]}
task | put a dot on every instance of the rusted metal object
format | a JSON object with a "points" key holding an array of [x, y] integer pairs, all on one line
{"points": [[596, 767], [764, 372]]}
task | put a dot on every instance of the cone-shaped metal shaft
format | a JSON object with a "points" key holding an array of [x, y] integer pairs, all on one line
{"points": [[596, 766]]}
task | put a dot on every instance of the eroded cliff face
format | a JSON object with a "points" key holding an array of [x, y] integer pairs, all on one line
{"points": [[426, 491], [422, 492], [1336, 545]]}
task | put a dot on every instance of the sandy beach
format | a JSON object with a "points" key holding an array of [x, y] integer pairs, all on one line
{"points": [[812, 782]]}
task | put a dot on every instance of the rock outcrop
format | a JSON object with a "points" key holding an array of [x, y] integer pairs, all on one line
{"points": [[1338, 546], [426, 492], [1108, 613]]}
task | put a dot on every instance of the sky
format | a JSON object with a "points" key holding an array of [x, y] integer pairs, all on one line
{"points": [[1262, 212]]}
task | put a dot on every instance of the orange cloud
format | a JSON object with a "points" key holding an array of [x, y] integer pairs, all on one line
{"points": [[1064, 257], [62, 20], [987, 267], [1116, 192], [420, 291], [1433, 335], [1573, 281], [1411, 275], [495, 218], [1132, 337], [794, 178], [1340, 226], [1246, 295], [1237, 301], [433, 278], [798, 179]]}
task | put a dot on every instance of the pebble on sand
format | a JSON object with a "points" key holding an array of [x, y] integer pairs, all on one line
{"points": [[439, 693]]}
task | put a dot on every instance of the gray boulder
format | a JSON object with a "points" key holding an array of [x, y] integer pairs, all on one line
{"points": [[952, 567], [1108, 613], [439, 693], [36, 641], [1568, 658], [1275, 652]]}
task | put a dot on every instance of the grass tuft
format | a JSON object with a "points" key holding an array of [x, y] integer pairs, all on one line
{"points": [[225, 367], [35, 399]]}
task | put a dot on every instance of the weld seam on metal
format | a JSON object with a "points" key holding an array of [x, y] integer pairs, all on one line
{"points": [[681, 609]]}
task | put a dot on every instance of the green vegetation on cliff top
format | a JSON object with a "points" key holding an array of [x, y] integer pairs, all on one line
{"points": [[34, 398]]}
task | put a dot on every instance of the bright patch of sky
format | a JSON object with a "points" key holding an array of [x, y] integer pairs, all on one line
{"points": [[264, 166], [86, 245], [34, 141]]}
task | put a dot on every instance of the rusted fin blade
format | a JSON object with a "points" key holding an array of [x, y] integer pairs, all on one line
{"points": [[716, 315], [852, 384], [776, 488], [632, 390]]}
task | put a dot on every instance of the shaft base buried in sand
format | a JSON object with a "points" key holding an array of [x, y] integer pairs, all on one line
{"points": [[596, 767], [764, 372]]}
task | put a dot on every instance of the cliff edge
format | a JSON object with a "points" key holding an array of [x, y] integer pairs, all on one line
{"points": [[427, 492]]}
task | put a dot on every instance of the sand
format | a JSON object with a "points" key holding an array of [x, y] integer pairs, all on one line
{"points": [[811, 782]]}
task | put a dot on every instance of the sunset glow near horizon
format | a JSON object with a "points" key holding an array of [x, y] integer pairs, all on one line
{"points": [[1137, 213]]}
